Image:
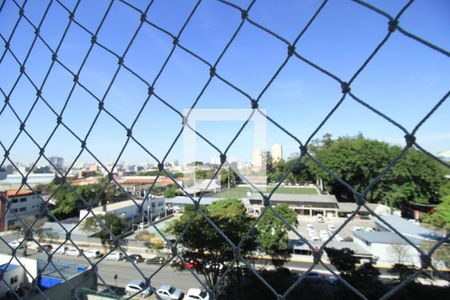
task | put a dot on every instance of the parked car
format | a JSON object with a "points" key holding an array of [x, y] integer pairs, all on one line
{"points": [[196, 294], [192, 264], [331, 228], [319, 218], [61, 250], [157, 260], [332, 279], [312, 232], [46, 247], [338, 238], [309, 227], [215, 266], [115, 255], [73, 252], [167, 291], [136, 258], [314, 276], [137, 286], [323, 232], [92, 253], [314, 238], [16, 244]]}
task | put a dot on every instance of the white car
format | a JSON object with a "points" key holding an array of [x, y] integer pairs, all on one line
{"points": [[313, 276], [91, 253], [16, 244], [73, 252], [319, 218], [331, 228], [309, 227], [196, 294], [323, 232], [324, 237], [61, 250], [338, 238], [167, 291], [314, 238], [115, 255], [137, 286]]}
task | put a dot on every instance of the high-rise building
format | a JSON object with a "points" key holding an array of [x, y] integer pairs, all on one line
{"points": [[258, 159], [58, 162], [277, 152]]}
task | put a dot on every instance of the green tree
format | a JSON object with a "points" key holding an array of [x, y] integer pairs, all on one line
{"points": [[170, 192], [302, 171], [402, 271], [202, 243], [273, 233], [358, 161], [269, 165], [69, 200], [367, 273], [441, 255], [344, 260], [440, 216], [115, 224]]}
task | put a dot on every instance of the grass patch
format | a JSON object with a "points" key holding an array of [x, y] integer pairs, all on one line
{"points": [[241, 191]]}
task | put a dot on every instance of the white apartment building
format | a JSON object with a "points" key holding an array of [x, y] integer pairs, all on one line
{"points": [[129, 210], [23, 204], [277, 153]]}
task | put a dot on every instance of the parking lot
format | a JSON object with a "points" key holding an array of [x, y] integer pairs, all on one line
{"points": [[317, 226]]}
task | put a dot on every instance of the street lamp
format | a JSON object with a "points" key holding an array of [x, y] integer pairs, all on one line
{"points": [[148, 214]]}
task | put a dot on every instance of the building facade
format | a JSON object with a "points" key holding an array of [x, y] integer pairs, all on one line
{"points": [[23, 204], [258, 159], [129, 209], [277, 153]]}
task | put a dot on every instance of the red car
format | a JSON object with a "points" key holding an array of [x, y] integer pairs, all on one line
{"points": [[191, 264]]}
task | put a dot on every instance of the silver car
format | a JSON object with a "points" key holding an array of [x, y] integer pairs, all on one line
{"points": [[167, 291], [137, 286]]}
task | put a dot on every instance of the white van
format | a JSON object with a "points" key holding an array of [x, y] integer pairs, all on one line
{"points": [[91, 253], [115, 255]]}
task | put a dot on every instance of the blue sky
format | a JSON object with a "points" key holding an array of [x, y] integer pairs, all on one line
{"points": [[404, 80]]}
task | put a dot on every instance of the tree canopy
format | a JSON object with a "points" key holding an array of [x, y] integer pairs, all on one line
{"points": [[273, 233], [115, 224], [440, 217], [358, 161], [202, 243]]}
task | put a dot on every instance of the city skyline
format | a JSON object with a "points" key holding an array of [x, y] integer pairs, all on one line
{"points": [[403, 88]]}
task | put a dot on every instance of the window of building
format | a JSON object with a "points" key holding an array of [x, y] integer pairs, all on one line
{"points": [[13, 279], [14, 210], [23, 209], [23, 199], [14, 200], [11, 223]]}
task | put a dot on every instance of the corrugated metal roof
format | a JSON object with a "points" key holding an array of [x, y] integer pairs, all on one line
{"points": [[383, 237], [298, 198], [204, 201], [407, 228]]}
